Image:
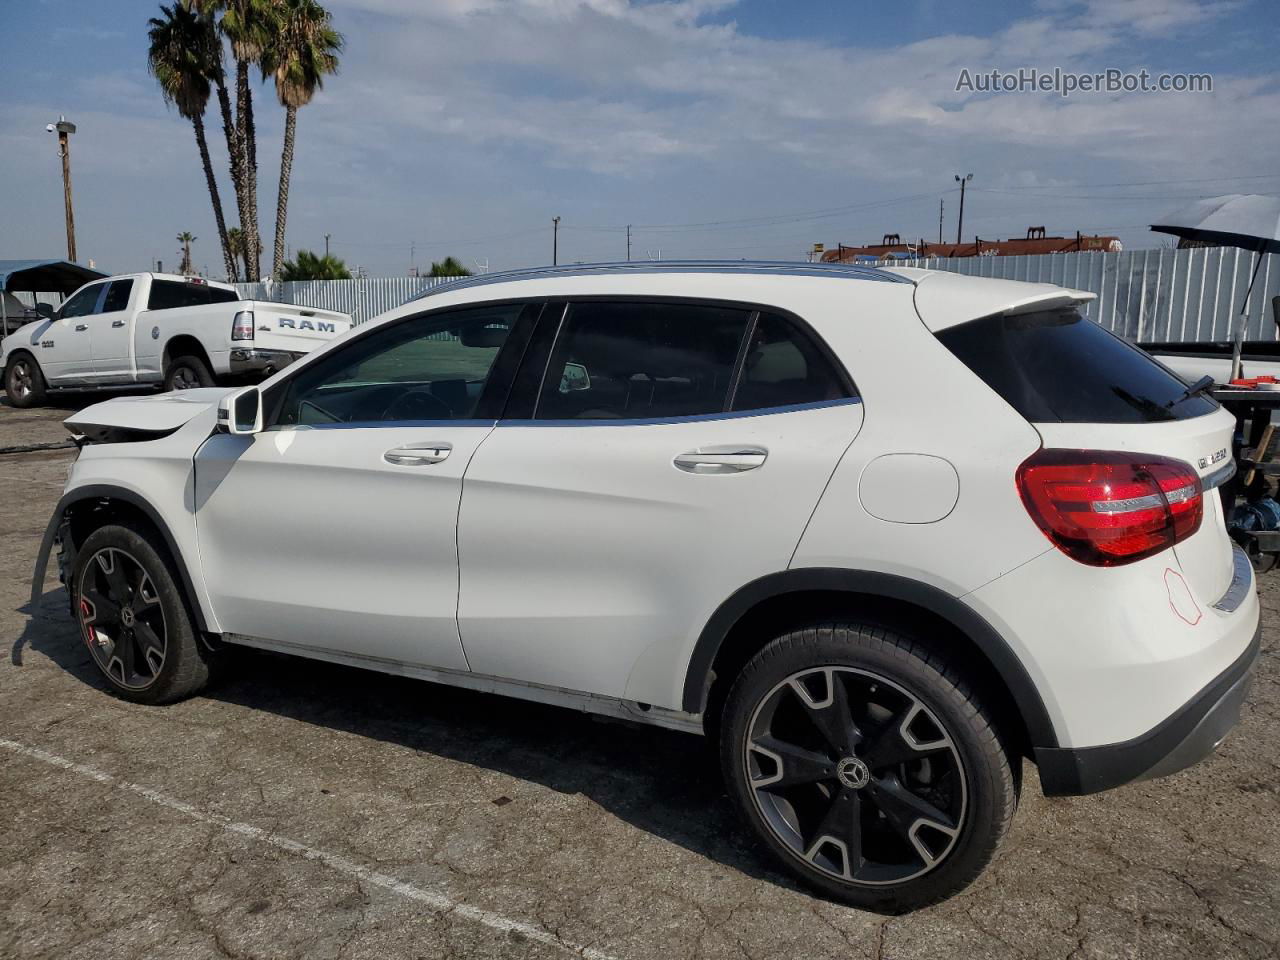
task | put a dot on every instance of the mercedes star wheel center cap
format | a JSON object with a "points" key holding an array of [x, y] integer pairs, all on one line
{"points": [[852, 772]]}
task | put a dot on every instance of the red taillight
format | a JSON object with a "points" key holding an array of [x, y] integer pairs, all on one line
{"points": [[1106, 508], [242, 325]]}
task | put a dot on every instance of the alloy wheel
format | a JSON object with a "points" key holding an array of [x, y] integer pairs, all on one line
{"points": [[20, 380], [855, 776], [122, 618]]}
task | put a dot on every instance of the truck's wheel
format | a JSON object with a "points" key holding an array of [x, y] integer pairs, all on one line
{"points": [[133, 618], [866, 765], [187, 373], [23, 381]]}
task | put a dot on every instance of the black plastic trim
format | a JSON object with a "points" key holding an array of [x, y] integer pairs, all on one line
{"points": [[875, 584], [1186, 737], [105, 491]]}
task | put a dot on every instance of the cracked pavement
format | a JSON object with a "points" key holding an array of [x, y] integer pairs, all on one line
{"points": [[299, 809]]}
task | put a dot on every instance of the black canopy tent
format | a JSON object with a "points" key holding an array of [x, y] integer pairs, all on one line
{"points": [[38, 276]]}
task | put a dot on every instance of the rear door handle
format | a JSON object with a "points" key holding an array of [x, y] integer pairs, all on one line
{"points": [[721, 460], [117, 323], [418, 454]]}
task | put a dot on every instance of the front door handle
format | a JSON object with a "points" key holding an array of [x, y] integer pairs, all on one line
{"points": [[117, 323], [418, 454], [81, 326], [721, 460]]}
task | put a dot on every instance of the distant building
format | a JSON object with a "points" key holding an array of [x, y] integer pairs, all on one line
{"points": [[1035, 242]]}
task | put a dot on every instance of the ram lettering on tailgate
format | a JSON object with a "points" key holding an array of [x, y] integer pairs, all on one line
{"points": [[321, 326]]}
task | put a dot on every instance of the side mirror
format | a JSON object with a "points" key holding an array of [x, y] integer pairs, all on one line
{"points": [[241, 412], [46, 310]]}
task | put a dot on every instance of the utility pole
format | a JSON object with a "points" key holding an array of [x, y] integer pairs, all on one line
{"points": [[960, 223], [941, 201], [555, 240], [628, 243], [64, 129], [326, 243]]}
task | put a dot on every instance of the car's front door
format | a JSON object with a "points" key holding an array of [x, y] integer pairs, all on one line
{"points": [[335, 528], [675, 453], [110, 333], [66, 354]]}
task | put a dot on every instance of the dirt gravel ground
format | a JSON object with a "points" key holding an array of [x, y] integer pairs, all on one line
{"points": [[305, 810]]}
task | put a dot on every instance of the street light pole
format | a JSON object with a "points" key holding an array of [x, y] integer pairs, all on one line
{"points": [[960, 223], [64, 128], [555, 240], [628, 243]]}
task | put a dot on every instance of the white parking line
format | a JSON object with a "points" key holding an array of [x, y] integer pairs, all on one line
{"points": [[435, 900]]}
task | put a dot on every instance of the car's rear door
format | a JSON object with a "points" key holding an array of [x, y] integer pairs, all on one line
{"points": [[335, 528], [674, 453], [111, 333]]}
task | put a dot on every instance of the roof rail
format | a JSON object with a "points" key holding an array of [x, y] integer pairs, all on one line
{"points": [[766, 267]]}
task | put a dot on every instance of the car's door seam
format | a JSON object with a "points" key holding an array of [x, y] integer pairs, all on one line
{"points": [[457, 546]]}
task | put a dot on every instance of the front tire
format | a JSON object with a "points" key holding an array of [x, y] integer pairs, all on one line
{"points": [[187, 373], [133, 617], [24, 381], [867, 766]]}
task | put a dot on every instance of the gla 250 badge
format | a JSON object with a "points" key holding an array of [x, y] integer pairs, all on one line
{"points": [[1215, 458]]}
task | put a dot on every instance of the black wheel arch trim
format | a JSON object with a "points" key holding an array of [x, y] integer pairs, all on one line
{"points": [[960, 615], [106, 491]]}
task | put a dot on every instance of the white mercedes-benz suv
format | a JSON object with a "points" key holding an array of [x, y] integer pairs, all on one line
{"points": [[882, 533]]}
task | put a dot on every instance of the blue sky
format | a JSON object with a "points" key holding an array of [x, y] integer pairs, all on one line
{"points": [[718, 129]]}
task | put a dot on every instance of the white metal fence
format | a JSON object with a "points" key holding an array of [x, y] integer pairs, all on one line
{"points": [[1145, 295], [363, 299], [1150, 295]]}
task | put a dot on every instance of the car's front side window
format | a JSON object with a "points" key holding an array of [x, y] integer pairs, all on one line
{"points": [[433, 367], [628, 360], [82, 304]]}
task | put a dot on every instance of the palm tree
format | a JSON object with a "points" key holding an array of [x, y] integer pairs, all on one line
{"points": [[448, 267], [308, 266], [186, 238], [247, 24], [184, 54], [303, 48]]}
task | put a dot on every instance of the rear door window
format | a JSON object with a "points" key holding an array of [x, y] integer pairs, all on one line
{"points": [[784, 367], [117, 297], [628, 360], [1057, 366]]}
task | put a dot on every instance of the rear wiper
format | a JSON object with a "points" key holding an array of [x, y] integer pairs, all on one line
{"points": [[1200, 386]]}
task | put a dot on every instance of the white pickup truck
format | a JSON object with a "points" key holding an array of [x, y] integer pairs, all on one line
{"points": [[155, 328]]}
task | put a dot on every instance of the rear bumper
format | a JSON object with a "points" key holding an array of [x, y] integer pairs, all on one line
{"points": [[248, 360], [1184, 738]]}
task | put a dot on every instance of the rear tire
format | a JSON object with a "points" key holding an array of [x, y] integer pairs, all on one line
{"points": [[133, 617], [867, 766], [24, 382], [187, 373]]}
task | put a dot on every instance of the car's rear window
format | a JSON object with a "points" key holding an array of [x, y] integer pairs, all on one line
{"points": [[170, 294], [1058, 366]]}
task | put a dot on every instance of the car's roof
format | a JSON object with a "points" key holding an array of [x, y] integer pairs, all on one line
{"points": [[781, 268], [942, 298]]}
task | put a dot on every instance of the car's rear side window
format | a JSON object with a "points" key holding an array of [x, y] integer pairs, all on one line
{"points": [[637, 361], [784, 367], [1057, 366]]}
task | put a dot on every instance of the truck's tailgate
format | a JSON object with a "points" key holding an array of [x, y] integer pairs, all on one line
{"points": [[296, 329]]}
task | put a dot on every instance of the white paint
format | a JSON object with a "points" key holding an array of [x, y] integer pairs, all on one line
{"points": [[909, 488], [435, 900]]}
